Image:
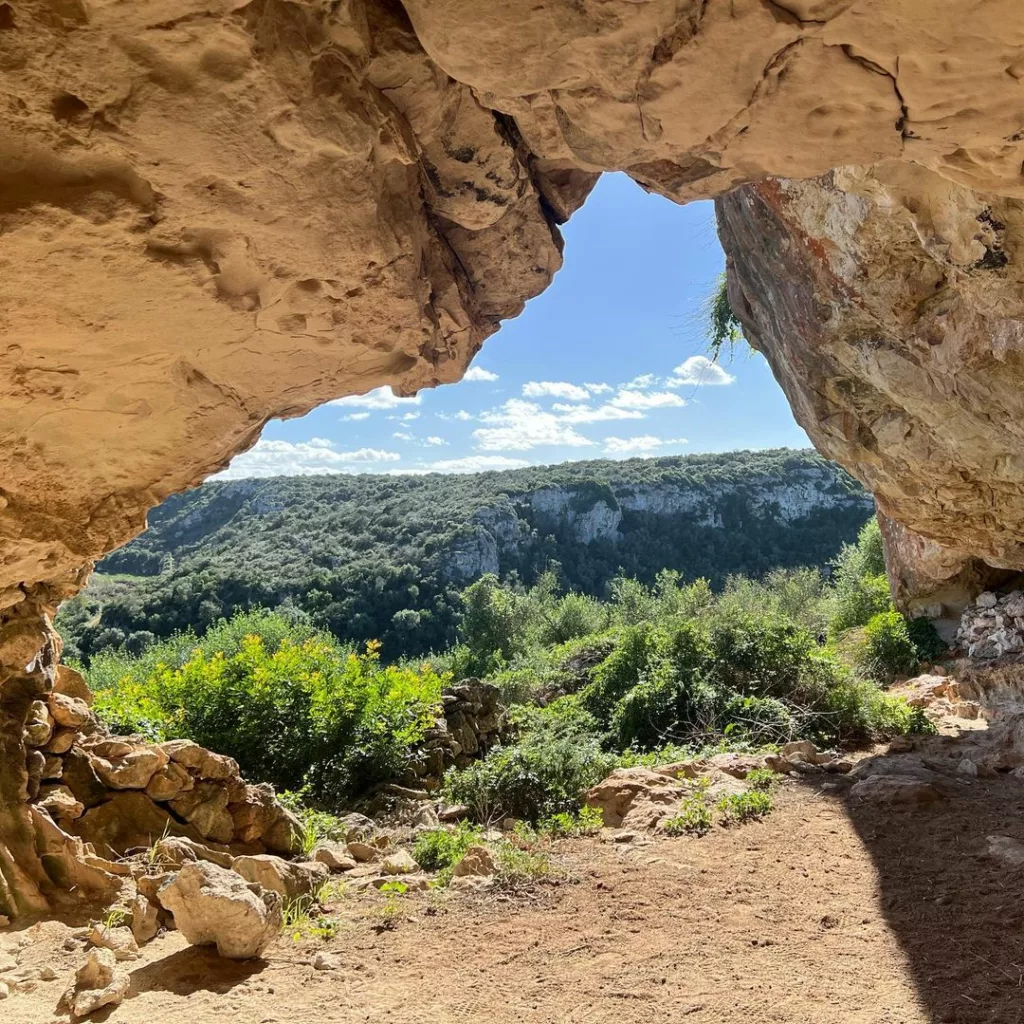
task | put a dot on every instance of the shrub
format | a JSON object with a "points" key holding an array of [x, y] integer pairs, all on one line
{"points": [[737, 808], [440, 849], [759, 720], [861, 587], [888, 651], [856, 710], [695, 816], [638, 652], [926, 640], [572, 824], [557, 757], [304, 713], [766, 658]]}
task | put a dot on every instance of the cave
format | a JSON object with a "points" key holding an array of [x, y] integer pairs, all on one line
{"points": [[215, 215]]}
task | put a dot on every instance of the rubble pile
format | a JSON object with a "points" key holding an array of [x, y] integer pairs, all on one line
{"points": [[993, 626]]}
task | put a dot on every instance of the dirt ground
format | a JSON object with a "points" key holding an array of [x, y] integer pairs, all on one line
{"points": [[822, 913]]}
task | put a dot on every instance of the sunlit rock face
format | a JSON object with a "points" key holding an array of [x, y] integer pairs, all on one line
{"points": [[890, 304]]}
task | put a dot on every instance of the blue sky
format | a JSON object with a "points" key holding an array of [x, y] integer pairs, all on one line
{"points": [[608, 362]]}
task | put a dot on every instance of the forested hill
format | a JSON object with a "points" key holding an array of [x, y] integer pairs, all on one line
{"points": [[386, 556]]}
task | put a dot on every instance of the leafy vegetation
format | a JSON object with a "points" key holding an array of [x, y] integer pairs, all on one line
{"points": [[386, 558], [723, 326], [294, 709], [441, 849]]}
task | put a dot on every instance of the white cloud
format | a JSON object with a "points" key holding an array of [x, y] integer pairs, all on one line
{"points": [[463, 415], [379, 398], [356, 416], [699, 371], [475, 464], [435, 441], [302, 458], [642, 445], [555, 389], [479, 373], [645, 380], [598, 389], [627, 399], [519, 426], [410, 416], [588, 414]]}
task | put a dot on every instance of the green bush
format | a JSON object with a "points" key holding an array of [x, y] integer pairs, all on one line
{"points": [[694, 816], [639, 652], [888, 651], [751, 805], [926, 640], [860, 584], [306, 713], [440, 849], [557, 758]]}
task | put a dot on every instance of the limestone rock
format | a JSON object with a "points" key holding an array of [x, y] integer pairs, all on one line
{"points": [[132, 771], [335, 855], [205, 808], [401, 862], [204, 763], [168, 782], [61, 741], [72, 684], [60, 802], [1006, 849], [145, 923], [478, 860], [39, 724], [175, 851], [81, 778], [284, 834], [69, 712], [214, 906], [635, 798], [129, 821], [362, 853], [119, 940], [99, 982], [280, 876], [895, 790]]}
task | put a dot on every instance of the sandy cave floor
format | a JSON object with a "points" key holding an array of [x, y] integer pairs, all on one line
{"points": [[822, 913]]}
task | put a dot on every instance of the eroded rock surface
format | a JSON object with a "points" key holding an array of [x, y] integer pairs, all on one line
{"points": [[214, 214]]}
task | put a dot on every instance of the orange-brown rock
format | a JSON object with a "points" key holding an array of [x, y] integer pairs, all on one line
{"points": [[215, 214]]}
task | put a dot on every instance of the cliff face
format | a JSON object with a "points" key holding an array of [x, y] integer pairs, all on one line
{"points": [[214, 212], [889, 303]]}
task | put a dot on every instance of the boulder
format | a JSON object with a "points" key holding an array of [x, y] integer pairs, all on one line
{"points": [[38, 724], [401, 862], [896, 790], [213, 906], [290, 880], [334, 855], [477, 861], [61, 741], [176, 851], [145, 919], [205, 807], [640, 795], [60, 802], [284, 834], [1006, 849], [98, 983], [169, 782], [70, 683], [81, 778], [133, 770], [53, 767], [204, 763], [119, 940], [254, 813], [69, 712], [128, 821], [362, 853]]}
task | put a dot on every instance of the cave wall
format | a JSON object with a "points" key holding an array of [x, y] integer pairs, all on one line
{"points": [[216, 212]]}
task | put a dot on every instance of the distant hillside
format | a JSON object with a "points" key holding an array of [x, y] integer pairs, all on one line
{"points": [[385, 556]]}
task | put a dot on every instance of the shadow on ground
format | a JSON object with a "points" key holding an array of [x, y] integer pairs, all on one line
{"points": [[197, 968], [957, 911]]}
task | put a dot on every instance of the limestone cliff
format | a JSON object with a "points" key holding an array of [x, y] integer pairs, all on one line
{"points": [[214, 212]]}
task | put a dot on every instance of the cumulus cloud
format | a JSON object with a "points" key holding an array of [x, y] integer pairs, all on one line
{"points": [[590, 414], [403, 435], [435, 441], [479, 373], [555, 389], [302, 458], [645, 444], [641, 400], [520, 426], [463, 415], [598, 389], [356, 416], [645, 380], [379, 398], [475, 464], [410, 416], [699, 371]]}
